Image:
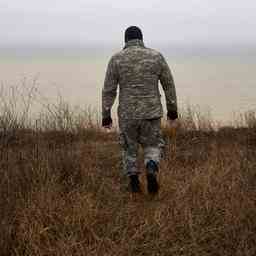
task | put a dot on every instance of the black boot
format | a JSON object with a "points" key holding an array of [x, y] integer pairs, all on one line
{"points": [[135, 184], [152, 170]]}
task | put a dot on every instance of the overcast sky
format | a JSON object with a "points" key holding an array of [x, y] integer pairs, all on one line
{"points": [[84, 22]]}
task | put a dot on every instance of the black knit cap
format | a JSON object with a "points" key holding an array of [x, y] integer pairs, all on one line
{"points": [[133, 32]]}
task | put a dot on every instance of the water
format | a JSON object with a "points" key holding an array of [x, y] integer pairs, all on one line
{"points": [[225, 85]]}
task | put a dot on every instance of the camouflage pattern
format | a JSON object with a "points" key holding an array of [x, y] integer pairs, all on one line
{"points": [[137, 70], [134, 132]]}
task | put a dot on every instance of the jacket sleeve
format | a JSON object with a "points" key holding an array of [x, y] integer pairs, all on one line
{"points": [[168, 85], [109, 90]]}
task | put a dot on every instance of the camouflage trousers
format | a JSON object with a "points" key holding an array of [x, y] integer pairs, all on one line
{"points": [[146, 133]]}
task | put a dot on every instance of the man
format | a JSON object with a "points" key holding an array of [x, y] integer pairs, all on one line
{"points": [[137, 70]]}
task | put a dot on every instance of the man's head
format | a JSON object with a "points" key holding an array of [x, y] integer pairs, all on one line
{"points": [[133, 32]]}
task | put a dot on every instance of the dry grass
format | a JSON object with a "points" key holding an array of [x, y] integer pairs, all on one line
{"points": [[61, 193]]}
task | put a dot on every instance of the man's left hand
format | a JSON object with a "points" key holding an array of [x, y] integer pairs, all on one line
{"points": [[107, 122]]}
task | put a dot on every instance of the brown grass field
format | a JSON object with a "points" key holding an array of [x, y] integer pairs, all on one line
{"points": [[62, 193]]}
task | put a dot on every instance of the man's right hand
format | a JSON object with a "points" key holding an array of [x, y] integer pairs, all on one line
{"points": [[172, 122], [172, 115], [107, 122]]}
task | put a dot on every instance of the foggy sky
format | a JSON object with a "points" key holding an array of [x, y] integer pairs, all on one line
{"points": [[83, 22]]}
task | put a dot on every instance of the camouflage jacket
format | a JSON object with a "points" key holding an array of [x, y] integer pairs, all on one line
{"points": [[137, 70]]}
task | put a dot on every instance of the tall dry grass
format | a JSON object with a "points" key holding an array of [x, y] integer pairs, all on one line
{"points": [[62, 192]]}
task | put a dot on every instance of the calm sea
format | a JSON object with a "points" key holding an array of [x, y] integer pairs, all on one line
{"points": [[223, 85]]}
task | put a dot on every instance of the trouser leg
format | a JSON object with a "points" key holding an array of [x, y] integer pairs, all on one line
{"points": [[129, 159], [152, 141], [129, 146], [152, 153]]}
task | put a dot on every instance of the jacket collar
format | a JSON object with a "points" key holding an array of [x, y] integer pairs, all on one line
{"points": [[134, 42]]}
